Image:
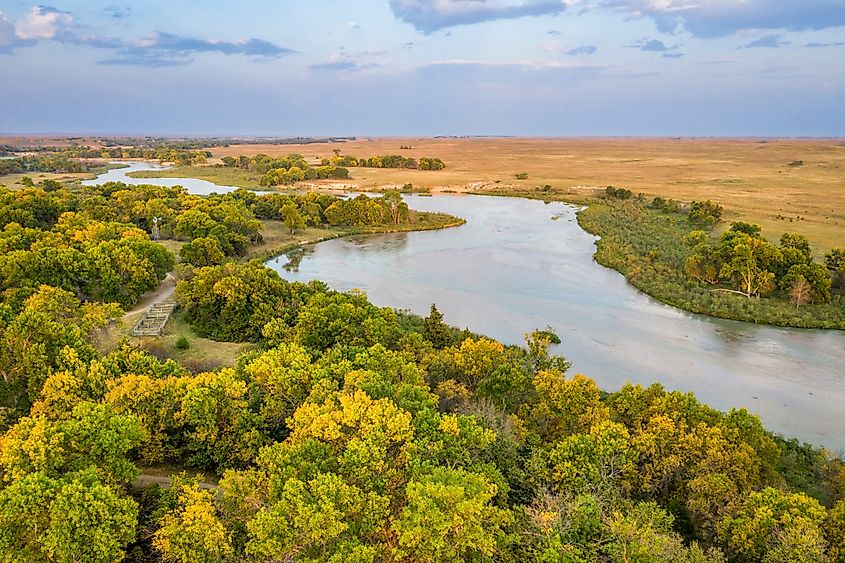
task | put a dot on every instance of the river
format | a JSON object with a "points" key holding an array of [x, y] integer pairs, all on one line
{"points": [[193, 185], [519, 264]]}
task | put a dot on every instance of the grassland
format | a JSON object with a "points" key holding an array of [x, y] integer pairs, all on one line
{"points": [[753, 179]]}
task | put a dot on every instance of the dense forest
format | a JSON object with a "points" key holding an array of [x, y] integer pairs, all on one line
{"points": [[684, 255], [350, 431]]}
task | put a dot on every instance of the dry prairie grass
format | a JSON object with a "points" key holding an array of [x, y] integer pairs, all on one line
{"points": [[752, 178]]}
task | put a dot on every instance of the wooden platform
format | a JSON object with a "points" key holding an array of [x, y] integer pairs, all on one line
{"points": [[153, 321]]}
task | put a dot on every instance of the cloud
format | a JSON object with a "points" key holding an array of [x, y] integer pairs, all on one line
{"points": [[344, 65], [655, 46], [346, 62], [582, 50], [554, 46], [44, 23], [354, 25], [824, 45], [719, 18], [8, 40], [178, 45], [428, 16], [672, 55], [167, 49], [118, 12], [768, 41]]}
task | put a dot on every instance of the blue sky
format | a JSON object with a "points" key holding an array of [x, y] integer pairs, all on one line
{"points": [[424, 67]]}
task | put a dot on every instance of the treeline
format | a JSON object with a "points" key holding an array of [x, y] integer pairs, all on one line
{"points": [[385, 161], [67, 160], [57, 164], [202, 143], [667, 250], [357, 433], [284, 170], [214, 228]]}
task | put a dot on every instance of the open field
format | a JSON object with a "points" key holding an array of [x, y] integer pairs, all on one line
{"points": [[753, 179]]}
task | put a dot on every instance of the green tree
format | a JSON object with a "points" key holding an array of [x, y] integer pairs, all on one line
{"points": [[294, 220], [808, 283], [435, 330], [449, 517], [203, 251], [772, 524], [745, 266]]}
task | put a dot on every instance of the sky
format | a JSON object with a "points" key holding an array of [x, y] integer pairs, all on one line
{"points": [[424, 67]]}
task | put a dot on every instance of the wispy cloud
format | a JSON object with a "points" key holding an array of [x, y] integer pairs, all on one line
{"points": [[655, 46], [351, 62], [118, 12], [428, 16], [44, 23], [767, 41], [825, 45], [725, 17], [582, 50]]}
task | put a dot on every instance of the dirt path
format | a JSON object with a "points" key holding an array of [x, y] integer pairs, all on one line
{"points": [[146, 479], [163, 292]]}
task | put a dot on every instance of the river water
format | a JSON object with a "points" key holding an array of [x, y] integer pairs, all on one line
{"points": [[519, 264], [193, 185]]}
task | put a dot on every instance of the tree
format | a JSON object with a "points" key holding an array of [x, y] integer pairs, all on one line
{"points": [[294, 220], [89, 522], [435, 330], [597, 462], [772, 523], [799, 290], [705, 213], [76, 518], [744, 267], [807, 283], [203, 251], [396, 208], [192, 532], [320, 518], [449, 517]]}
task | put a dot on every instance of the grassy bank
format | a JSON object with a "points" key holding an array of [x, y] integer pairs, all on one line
{"points": [[216, 174], [278, 240], [646, 246]]}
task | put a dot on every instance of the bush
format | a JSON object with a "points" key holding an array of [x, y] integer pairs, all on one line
{"points": [[183, 343], [521, 175]]}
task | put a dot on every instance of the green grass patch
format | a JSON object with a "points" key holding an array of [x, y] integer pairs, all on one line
{"points": [[217, 174], [646, 246]]}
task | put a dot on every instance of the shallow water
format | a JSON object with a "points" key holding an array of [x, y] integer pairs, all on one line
{"points": [[512, 268], [193, 185]]}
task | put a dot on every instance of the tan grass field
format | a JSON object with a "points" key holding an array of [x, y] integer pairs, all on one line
{"points": [[751, 178]]}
